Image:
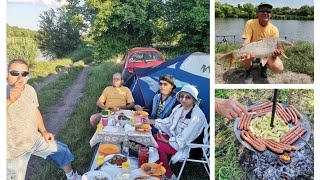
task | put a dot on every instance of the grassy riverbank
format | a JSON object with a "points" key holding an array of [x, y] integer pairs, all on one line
{"points": [[227, 148]]}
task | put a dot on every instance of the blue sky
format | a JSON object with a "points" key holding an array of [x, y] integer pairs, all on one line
{"points": [[25, 13], [274, 3]]}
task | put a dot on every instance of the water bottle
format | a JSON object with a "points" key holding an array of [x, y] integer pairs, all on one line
{"points": [[125, 146]]}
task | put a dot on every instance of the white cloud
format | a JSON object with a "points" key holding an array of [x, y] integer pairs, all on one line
{"points": [[38, 2]]}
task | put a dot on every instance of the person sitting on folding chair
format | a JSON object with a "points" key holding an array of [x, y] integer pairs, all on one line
{"points": [[184, 125], [163, 102]]}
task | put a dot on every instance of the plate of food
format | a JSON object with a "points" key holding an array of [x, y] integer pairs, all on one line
{"points": [[153, 167], [116, 159], [142, 127], [106, 149], [141, 113], [96, 175]]}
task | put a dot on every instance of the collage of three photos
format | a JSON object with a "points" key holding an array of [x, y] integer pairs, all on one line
{"points": [[121, 89]]}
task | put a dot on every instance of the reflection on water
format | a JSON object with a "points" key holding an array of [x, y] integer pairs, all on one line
{"points": [[230, 29]]}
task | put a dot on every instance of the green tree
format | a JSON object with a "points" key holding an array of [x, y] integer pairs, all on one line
{"points": [[190, 19], [123, 24], [306, 11], [59, 31], [250, 9]]}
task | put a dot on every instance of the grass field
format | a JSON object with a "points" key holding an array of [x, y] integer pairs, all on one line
{"points": [[227, 147]]}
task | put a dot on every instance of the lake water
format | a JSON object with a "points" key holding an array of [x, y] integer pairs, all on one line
{"points": [[292, 30]]}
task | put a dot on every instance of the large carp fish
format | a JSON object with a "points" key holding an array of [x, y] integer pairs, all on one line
{"points": [[263, 49]]}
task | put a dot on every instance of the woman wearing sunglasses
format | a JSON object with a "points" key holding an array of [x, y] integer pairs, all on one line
{"points": [[184, 125]]}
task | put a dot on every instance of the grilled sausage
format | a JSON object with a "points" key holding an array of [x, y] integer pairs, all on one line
{"points": [[252, 142], [282, 145], [271, 147], [281, 109], [248, 121], [297, 112], [291, 115], [292, 135], [240, 122], [261, 106], [289, 134], [281, 116], [294, 115], [297, 136]]}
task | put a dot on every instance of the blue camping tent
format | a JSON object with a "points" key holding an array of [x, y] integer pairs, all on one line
{"points": [[191, 68]]}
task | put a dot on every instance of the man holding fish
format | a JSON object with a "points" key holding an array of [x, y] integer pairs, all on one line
{"points": [[261, 44], [255, 30]]}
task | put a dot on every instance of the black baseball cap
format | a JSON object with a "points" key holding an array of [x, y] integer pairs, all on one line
{"points": [[263, 4]]}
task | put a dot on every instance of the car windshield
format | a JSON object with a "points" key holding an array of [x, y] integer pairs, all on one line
{"points": [[145, 56]]}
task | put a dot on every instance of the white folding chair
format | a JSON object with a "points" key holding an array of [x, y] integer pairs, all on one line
{"points": [[205, 150]]}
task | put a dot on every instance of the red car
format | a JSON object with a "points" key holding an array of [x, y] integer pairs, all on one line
{"points": [[140, 58]]}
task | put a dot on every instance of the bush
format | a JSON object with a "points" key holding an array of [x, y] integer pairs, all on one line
{"points": [[84, 53]]}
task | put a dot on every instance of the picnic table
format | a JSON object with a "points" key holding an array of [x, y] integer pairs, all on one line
{"points": [[115, 135]]}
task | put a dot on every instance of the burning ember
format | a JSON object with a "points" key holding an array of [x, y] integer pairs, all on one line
{"points": [[285, 158], [296, 165]]}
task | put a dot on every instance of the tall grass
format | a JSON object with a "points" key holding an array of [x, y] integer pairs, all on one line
{"points": [[227, 148], [22, 48], [300, 57]]}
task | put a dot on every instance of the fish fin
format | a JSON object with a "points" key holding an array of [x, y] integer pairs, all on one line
{"points": [[263, 61], [226, 56], [229, 57], [231, 61], [283, 54]]}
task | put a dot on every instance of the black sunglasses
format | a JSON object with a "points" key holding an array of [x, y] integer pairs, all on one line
{"points": [[187, 97], [17, 73], [265, 11]]}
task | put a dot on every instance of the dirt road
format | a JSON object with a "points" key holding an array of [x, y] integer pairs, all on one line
{"points": [[58, 115]]}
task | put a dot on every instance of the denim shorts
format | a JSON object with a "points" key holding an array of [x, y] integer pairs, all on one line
{"points": [[57, 152]]}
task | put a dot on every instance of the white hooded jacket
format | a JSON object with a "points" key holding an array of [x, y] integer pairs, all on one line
{"points": [[193, 126]]}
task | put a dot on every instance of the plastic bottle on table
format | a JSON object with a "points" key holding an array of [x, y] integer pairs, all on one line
{"points": [[125, 146]]}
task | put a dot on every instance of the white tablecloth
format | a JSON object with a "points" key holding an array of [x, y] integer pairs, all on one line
{"points": [[115, 134]]}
